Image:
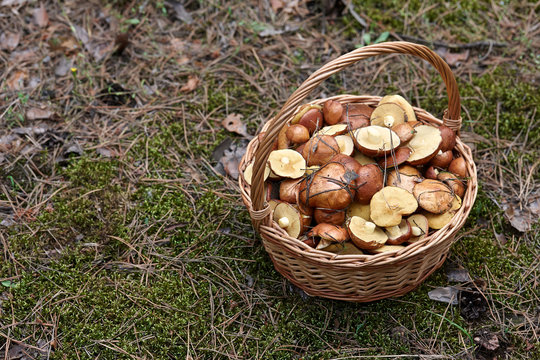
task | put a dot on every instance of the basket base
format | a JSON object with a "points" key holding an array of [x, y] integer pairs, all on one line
{"points": [[329, 294]]}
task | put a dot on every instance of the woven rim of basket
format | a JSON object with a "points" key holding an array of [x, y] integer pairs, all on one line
{"points": [[322, 258]]}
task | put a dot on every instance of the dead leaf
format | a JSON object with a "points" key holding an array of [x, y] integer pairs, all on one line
{"points": [[447, 295], [106, 152], [40, 16], [180, 12], [458, 275], [63, 67], [231, 160], [487, 340], [233, 123], [192, 84], [16, 80], [277, 5], [271, 31], [40, 114], [182, 60], [177, 44], [453, 58], [520, 219], [296, 7], [9, 40]]}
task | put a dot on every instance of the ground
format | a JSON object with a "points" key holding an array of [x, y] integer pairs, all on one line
{"points": [[122, 237]]}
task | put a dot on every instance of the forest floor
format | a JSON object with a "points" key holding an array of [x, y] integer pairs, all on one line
{"points": [[123, 236]]}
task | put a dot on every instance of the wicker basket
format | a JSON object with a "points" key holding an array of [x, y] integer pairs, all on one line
{"points": [[360, 278]]}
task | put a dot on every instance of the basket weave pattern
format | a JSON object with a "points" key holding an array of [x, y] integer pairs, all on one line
{"points": [[360, 278]]}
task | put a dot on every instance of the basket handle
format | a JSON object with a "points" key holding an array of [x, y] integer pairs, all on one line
{"points": [[260, 211]]}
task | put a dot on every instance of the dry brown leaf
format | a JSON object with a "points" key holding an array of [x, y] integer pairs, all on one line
{"points": [[9, 40], [277, 5], [519, 218], [453, 58], [231, 159], [16, 80], [192, 84], [233, 123], [182, 60], [40, 16], [296, 7], [40, 114]]}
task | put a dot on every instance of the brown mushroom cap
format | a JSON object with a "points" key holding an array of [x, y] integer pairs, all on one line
{"points": [[288, 190], [398, 234], [399, 157], [287, 163], [365, 234], [328, 188], [355, 110], [354, 123], [312, 120], [438, 221], [375, 140], [442, 159], [448, 138], [349, 162], [424, 145], [272, 190], [390, 204], [408, 177], [320, 149], [345, 143], [329, 216], [404, 131], [359, 209], [282, 139], [453, 182], [297, 134], [388, 115], [404, 104], [332, 111], [288, 218], [458, 167], [370, 180], [419, 227], [328, 234], [303, 110], [345, 248], [433, 196], [431, 173]]}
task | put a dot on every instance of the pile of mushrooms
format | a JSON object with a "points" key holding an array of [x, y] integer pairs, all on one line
{"points": [[357, 179]]}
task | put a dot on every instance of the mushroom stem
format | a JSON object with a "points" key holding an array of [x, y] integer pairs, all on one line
{"points": [[285, 160], [394, 231], [284, 222], [388, 121], [370, 227], [416, 231]]}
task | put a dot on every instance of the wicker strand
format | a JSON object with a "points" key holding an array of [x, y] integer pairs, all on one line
{"points": [[259, 215], [454, 124]]}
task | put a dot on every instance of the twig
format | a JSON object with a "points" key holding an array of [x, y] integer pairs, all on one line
{"points": [[355, 15], [472, 45]]}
